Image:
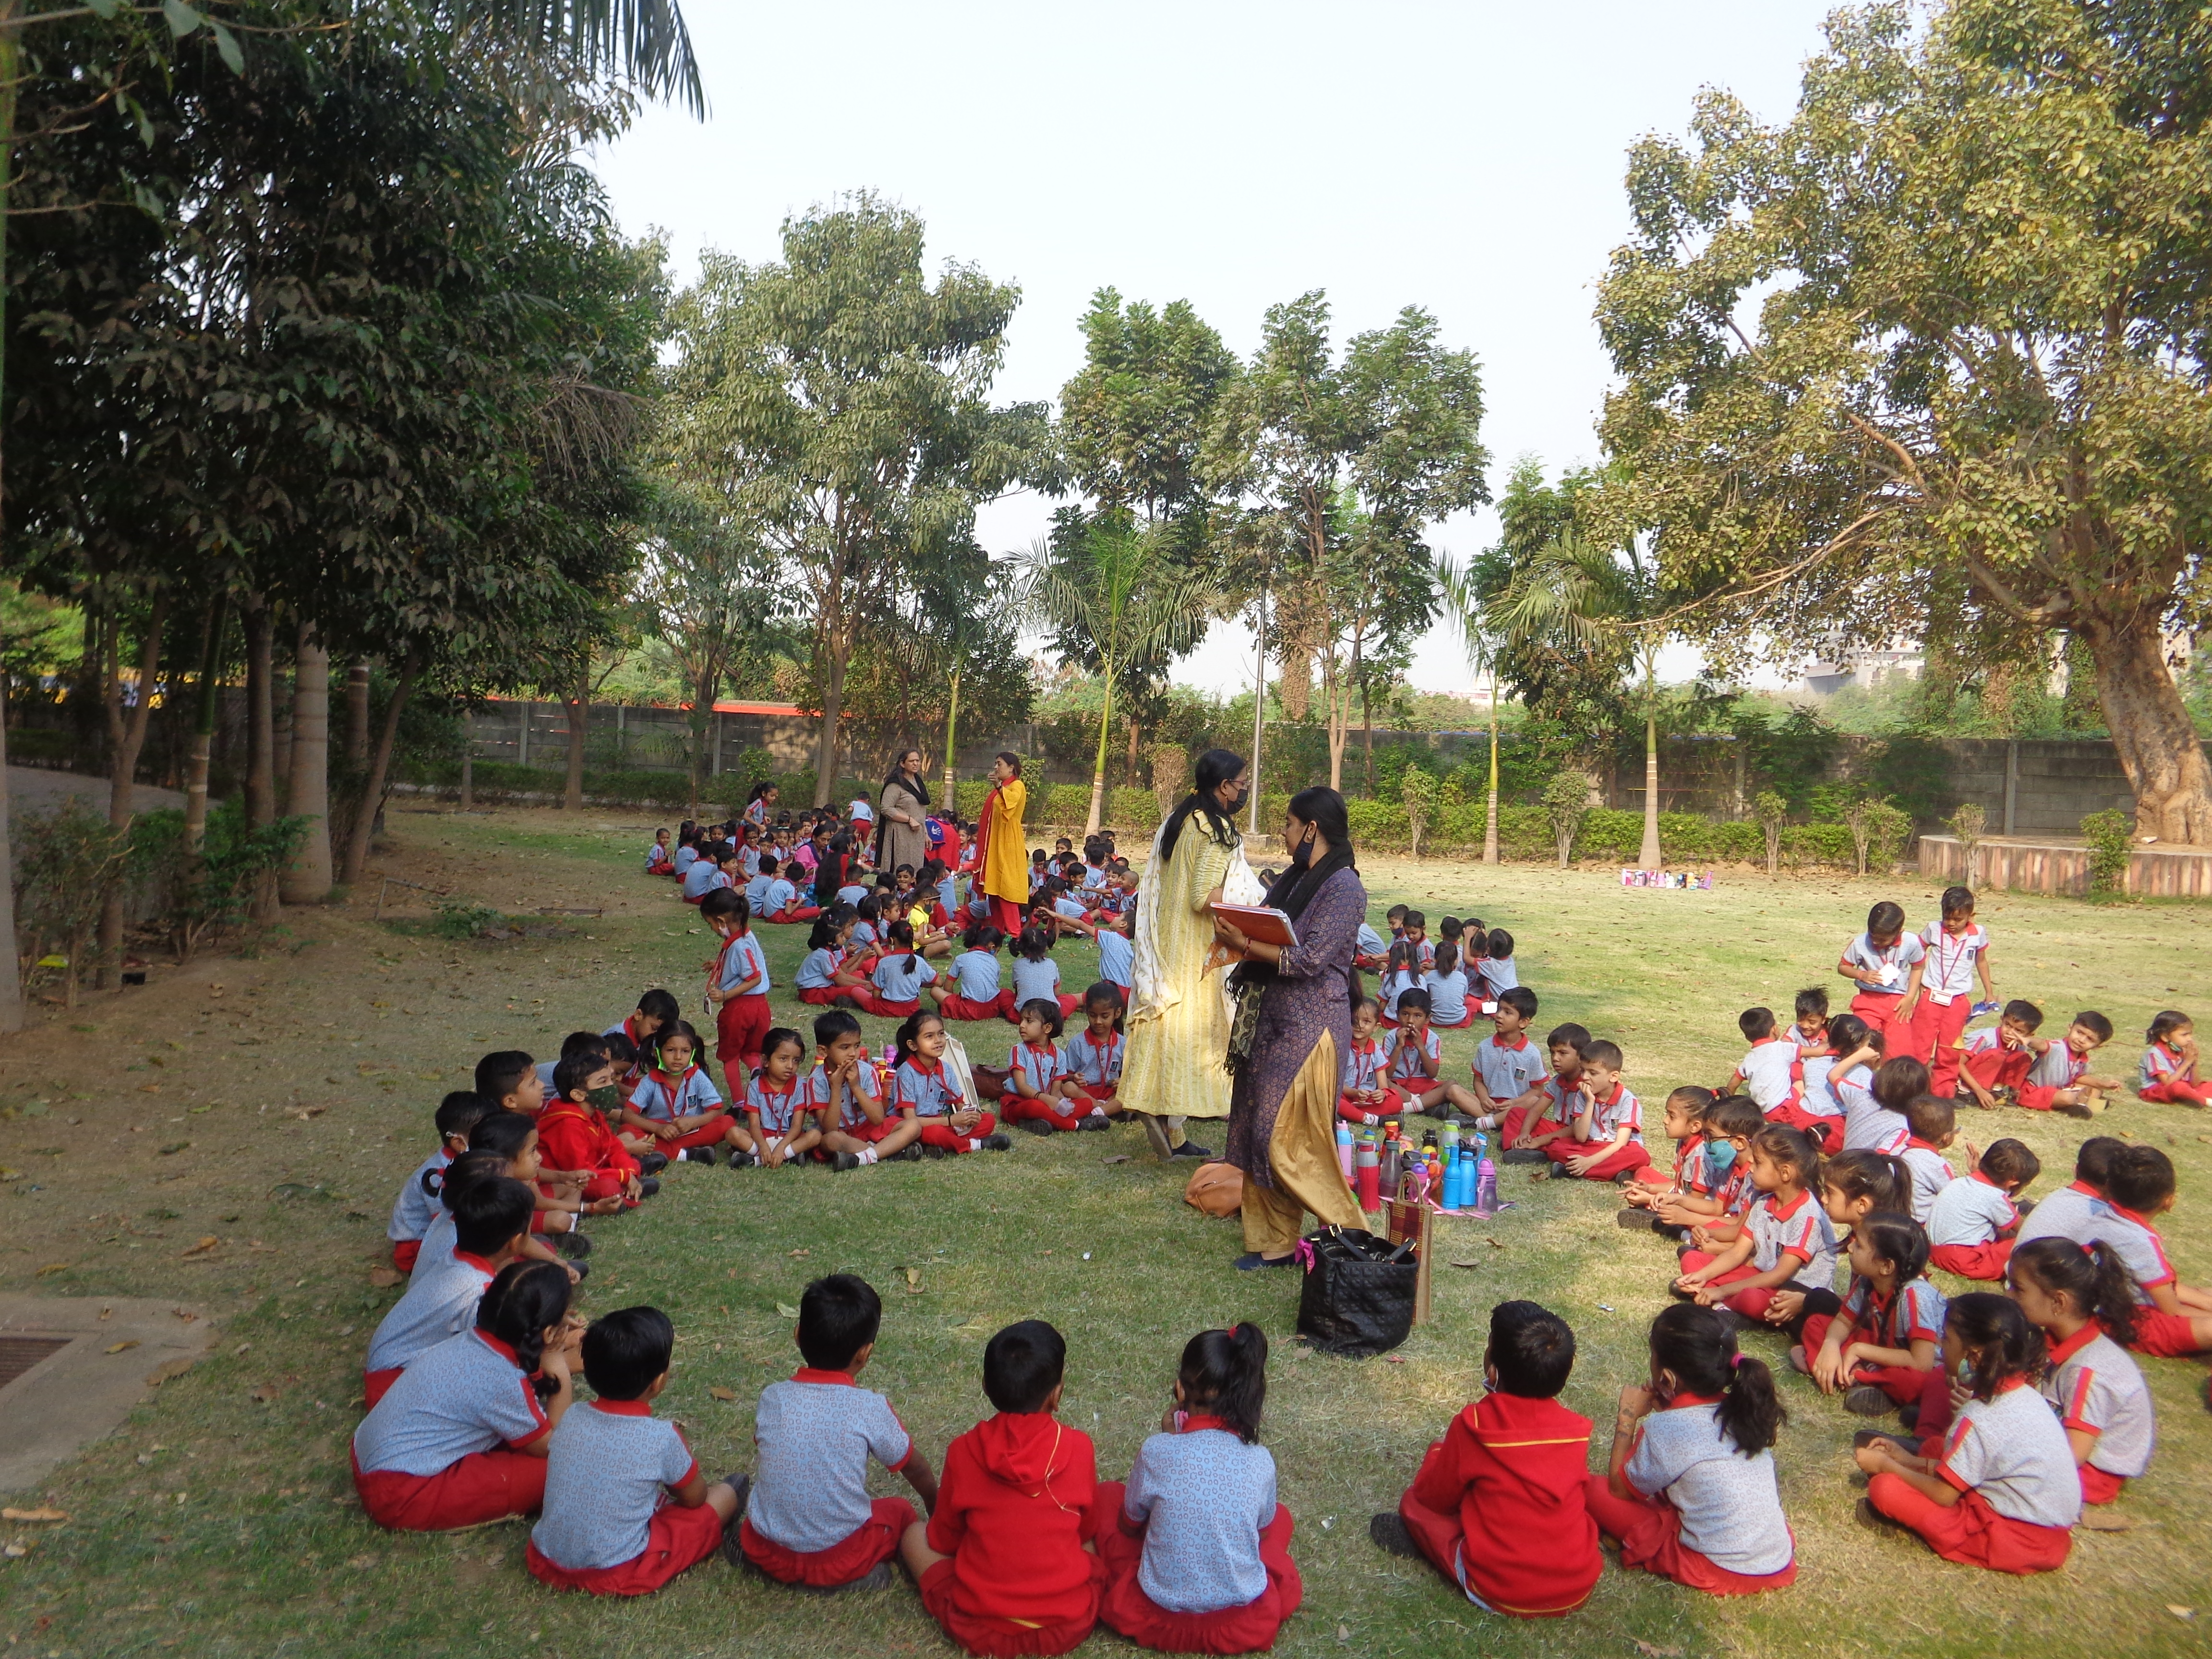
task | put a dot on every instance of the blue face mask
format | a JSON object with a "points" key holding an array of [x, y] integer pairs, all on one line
{"points": [[1720, 1158]]}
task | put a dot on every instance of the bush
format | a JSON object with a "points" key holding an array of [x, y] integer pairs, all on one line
{"points": [[195, 897], [1566, 804], [2111, 834], [70, 861]]}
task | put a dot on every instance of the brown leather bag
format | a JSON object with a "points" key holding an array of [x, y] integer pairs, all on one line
{"points": [[1216, 1188]]}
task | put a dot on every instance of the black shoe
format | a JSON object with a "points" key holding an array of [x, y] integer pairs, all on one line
{"points": [[652, 1163], [733, 1545], [581, 1269], [1037, 1126], [648, 1186], [701, 1155], [1192, 1149], [1636, 1220], [909, 1153], [1873, 1519], [1389, 1532], [932, 1154], [1521, 1155], [1252, 1260], [1867, 1400], [998, 1143], [742, 1159], [843, 1161], [1096, 1120], [1908, 1417], [573, 1245]]}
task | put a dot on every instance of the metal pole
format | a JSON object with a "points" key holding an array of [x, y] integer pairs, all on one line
{"points": [[1258, 709]]}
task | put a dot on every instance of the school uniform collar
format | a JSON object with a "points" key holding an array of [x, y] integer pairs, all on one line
{"points": [[1760, 1043], [2062, 1352], [836, 1379], [1198, 1421], [1976, 1175], [1044, 1047], [1612, 1099], [623, 1407], [504, 1350], [2141, 1220], [2008, 1385], [480, 1265], [1520, 1042], [2084, 1187], [1681, 1401], [1783, 1212], [926, 1067], [769, 1088], [1911, 1141]]}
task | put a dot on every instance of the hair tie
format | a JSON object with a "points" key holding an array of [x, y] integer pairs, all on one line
{"points": [[1233, 1329], [1734, 1360]]}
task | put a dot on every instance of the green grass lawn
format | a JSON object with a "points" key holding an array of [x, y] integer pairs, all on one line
{"points": [[220, 1523]]}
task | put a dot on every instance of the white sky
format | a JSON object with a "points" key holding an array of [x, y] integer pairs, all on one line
{"points": [[1464, 157]]}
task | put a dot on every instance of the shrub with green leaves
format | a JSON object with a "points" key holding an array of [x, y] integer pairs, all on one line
{"points": [[2111, 835], [1566, 804], [69, 859]]}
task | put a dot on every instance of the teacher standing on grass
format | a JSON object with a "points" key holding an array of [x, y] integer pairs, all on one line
{"points": [[1178, 1019], [901, 836], [1002, 858], [1292, 1026]]}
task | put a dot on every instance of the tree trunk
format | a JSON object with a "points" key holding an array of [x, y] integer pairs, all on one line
{"points": [[125, 739], [1648, 858], [1098, 764], [379, 768], [1367, 728], [205, 705], [2160, 750], [468, 760], [260, 740], [580, 712], [951, 729], [699, 699], [1130, 771], [307, 880], [833, 709], [356, 738], [11, 978], [1490, 813]]}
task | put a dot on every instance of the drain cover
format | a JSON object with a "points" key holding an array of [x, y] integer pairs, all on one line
{"points": [[18, 1354]]}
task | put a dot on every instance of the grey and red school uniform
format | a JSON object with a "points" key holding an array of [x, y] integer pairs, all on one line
{"points": [[1364, 1069], [440, 1302], [1928, 1171], [809, 1519], [1448, 1004], [443, 1446], [1195, 1547], [1509, 1068], [609, 1528], [976, 974], [741, 1022], [1913, 1312], [781, 1112], [2142, 1253], [779, 903], [1117, 960], [1394, 987], [415, 1208], [2170, 1078], [1799, 1230], [2096, 1388], [1868, 1124], [1095, 1065], [664, 1099], [703, 878], [1040, 1064], [1967, 1227], [895, 983], [1495, 975], [1617, 1110], [1947, 1001], [2072, 1212], [923, 1087], [1768, 1074], [1812, 1108], [1407, 1075], [1993, 1064], [2056, 1068], [1704, 1515], [1562, 1099], [847, 1115], [1877, 1005], [1039, 981], [2020, 1495], [816, 978]]}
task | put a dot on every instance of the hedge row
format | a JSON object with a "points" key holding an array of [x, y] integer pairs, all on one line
{"points": [[1608, 835]]}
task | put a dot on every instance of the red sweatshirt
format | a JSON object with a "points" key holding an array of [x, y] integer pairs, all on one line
{"points": [[1513, 1468], [571, 1138], [1013, 1511]]}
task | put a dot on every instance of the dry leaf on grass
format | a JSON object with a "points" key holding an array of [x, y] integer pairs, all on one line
{"points": [[43, 1513], [263, 1393], [2097, 1520], [118, 1347], [723, 1393], [1394, 1358], [384, 1278], [1492, 1243], [801, 1253], [1467, 1264], [913, 1279], [787, 1310], [2180, 1612], [51, 1267], [170, 1370], [206, 1244]]}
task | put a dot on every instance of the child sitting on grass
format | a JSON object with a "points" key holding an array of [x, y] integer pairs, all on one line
{"points": [[776, 1114], [2168, 1071], [2083, 1303], [1853, 1186], [1416, 1059], [1606, 1138], [1524, 1130], [1994, 1062], [1035, 975], [2002, 1493], [1788, 1240], [1500, 1505], [1883, 1344], [1006, 1562], [571, 1135], [626, 1506], [1932, 1126], [1765, 1070], [1363, 1092], [1690, 1489], [1701, 1162], [1195, 1548], [1508, 1070], [842, 1094], [2172, 1319], [974, 992], [809, 1519], [460, 1438], [1094, 1054], [925, 1092], [1971, 1224], [491, 1223], [1037, 1090], [2060, 1081], [416, 1206], [679, 1105]]}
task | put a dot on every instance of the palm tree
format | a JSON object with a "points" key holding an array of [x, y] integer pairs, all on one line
{"points": [[1464, 604], [1119, 591]]}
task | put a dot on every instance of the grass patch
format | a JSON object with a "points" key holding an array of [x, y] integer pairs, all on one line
{"points": [[266, 1550]]}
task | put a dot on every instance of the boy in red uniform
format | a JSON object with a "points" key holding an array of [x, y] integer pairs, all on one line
{"points": [[1005, 1561], [573, 1137], [1997, 1059], [1498, 1506]]}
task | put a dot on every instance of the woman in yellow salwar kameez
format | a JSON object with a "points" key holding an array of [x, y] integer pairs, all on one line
{"points": [[1178, 1017]]}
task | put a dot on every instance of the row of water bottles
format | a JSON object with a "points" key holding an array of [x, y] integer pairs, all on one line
{"points": [[1451, 1175]]}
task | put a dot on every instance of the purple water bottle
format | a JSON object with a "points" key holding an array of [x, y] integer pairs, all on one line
{"points": [[1486, 1187]]}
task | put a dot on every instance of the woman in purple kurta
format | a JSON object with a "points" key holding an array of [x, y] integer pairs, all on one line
{"points": [[1293, 1024]]}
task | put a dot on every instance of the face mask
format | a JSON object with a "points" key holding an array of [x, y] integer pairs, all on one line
{"points": [[1303, 857], [605, 1100]]}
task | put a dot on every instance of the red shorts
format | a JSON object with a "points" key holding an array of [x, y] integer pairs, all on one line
{"points": [[712, 1132], [1931, 1389], [1352, 1111], [1650, 1533], [403, 1252], [1621, 1161], [1936, 1031], [1827, 1133], [1879, 1011], [798, 913], [1005, 915], [1000, 1007], [1986, 1262], [2098, 1487], [678, 1540], [1006, 1639], [2170, 1336], [1752, 1303], [482, 1486], [1063, 1114], [2175, 1091], [1999, 1067], [1523, 1119], [1439, 1535], [871, 1132], [942, 1136], [375, 1385], [883, 1007], [824, 996], [1970, 1531], [1466, 1021], [738, 1029], [1125, 1608], [866, 1547]]}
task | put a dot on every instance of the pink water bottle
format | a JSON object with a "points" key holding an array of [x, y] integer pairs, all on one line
{"points": [[1370, 1166]]}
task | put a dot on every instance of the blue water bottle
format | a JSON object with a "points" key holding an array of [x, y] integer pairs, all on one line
{"points": [[1456, 1183]]}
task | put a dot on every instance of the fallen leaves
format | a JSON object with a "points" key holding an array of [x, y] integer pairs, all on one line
{"points": [[2102, 1520], [787, 1310], [796, 1253], [51, 1267], [913, 1280], [118, 1347], [263, 1394], [1649, 1651], [170, 1370], [45, 1515], [1467, 1264], [209, 1242], [2180, 1612], [384, 1278], [1121, 1158], [723, 1393]]}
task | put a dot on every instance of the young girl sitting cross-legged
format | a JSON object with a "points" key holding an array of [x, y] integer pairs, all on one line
{"points": [[925, 1092], [1690, 1489], [1788, 1240], [2168, 1071], [2083, 1303], [1039, 1091], [678, 1104], [776, 1114], [1884, 1346], [1195, 1548], [461, 1437], [826, 977], [2000, 1490]]}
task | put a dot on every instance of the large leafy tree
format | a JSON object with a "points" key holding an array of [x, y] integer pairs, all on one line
{"points": [[840, 400], [1134, 418], [1931, 357]]}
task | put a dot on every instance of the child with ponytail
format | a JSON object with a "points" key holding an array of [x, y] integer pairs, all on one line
{"points": [[1195, 1548], [460, 1438], [2083, 1303], [677, 1104], [924, 1090], [2000, 1490], [737, 985], [825, 977], [2168, 1072], [1689, 1490], [1788, 1240], [898, 976], [1883, 1347]]}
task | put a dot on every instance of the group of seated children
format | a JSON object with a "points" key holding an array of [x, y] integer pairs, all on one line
{"points": [[1023, 1549], [1461, 976]]}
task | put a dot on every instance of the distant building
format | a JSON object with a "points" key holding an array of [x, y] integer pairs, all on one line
{"points": [[1864, 669]]}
